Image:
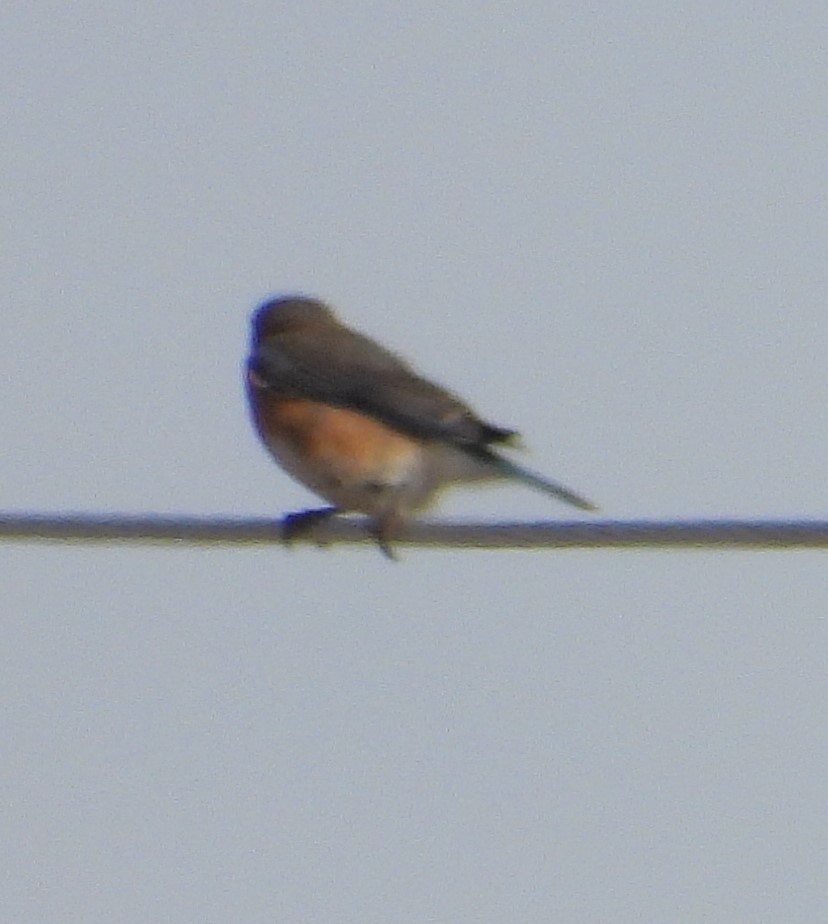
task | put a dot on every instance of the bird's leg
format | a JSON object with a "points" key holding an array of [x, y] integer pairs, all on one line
{"points": [[386, 528], [302, 524]]}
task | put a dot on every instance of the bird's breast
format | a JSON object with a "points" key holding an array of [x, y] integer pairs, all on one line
{"points": [[348, 458]]}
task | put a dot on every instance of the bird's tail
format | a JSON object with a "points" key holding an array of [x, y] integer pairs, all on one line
{"points": [[508, 469]]}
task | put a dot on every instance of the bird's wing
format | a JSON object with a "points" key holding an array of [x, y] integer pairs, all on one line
{"points": [[346, 369]]}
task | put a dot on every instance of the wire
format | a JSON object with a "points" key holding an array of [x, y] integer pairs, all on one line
{"points": [[700, 534]]}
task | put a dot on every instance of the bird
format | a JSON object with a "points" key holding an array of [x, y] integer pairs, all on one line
{"points": [[356, 424]]}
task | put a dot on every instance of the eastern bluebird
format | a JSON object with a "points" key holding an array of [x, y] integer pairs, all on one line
{"points": [[358, 426]]}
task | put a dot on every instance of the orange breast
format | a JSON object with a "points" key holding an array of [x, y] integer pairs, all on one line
{"points": [[334, 442]]}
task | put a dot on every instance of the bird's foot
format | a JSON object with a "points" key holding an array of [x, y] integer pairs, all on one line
{"points": [[301, 525], [386, 528]]}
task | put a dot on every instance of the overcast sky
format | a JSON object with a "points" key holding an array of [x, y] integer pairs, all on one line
{"points": [[604, 226]]}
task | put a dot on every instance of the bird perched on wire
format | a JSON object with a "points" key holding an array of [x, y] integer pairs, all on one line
{"points": [[358, 426]]}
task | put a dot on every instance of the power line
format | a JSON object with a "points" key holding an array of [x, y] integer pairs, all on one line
{"points": [[182, 530]]}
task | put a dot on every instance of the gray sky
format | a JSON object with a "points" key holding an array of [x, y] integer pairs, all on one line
{"points": [[606, 228]]}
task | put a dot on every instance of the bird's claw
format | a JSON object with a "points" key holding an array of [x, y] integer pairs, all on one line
{"points": [[302, 524]]}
